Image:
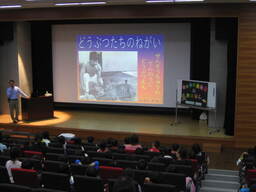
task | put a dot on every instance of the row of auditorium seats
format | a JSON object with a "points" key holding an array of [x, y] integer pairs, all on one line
{"points": [[113, 164]]}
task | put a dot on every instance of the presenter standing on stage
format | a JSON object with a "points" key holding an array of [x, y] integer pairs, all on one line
{"points": [[13, 93]]}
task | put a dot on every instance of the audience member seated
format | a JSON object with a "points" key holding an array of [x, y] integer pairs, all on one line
{"points": [[182, 155], [37, 145], [153, 177], [46, 138], [134, 143], [142, 164], [175, 151], [112, 144], [92, 171], [103, 147], [77, 141], [3, 147], [27, 164], [13, 162], [90, 141], [155, 146]]}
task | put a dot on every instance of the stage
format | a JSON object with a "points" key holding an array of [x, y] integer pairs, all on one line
{"points": [[115, 124]]}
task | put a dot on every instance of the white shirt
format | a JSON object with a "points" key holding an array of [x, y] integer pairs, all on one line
{"points": [[12, 164]]}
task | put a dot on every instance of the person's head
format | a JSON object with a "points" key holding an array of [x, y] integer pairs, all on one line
{"points": [[127, 140], [61, 140], [196, 148], [134, 139], [93, 57], [142, 164], [92, 171], [156, 144], [114, 143], [77, 140], [27, 164], [183, 154], [38, 138], [154, 176], [90, 139], [11, 83], [175, 147], [14, 153], [124, 184], [103, 145], [45, 135]]}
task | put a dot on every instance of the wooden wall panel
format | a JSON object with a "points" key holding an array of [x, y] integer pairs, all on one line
{"points": [[245, 115], [245, 120]]}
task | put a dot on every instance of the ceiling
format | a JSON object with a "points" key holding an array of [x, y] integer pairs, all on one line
{"points": [[51, 3]]}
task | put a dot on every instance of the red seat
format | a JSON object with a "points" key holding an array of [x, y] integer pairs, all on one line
{"points": [[32, 153], [250, 175], [25, 177], [107, 172]]}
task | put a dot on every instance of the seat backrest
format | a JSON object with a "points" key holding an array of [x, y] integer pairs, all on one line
{"points": [[152, 187], [156, 166], [37, 164], [92, 154], [78, 169], [4, 159], [136, 157], [126, 164], [55, 157], [45, 190], [151, 154], [73, 158], [39, 155], [55, 150], [120, 156], [53, 166], [177, 179], [185, 169], [57, 181], [71, 151], [26, 177], [103, 161], [84, 183], [110, 172], [4, 177], [4, 187]]}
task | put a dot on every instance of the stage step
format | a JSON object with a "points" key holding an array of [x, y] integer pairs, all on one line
{"points": [[222, 177], [212, 189], [220, 181], [223, 172]]}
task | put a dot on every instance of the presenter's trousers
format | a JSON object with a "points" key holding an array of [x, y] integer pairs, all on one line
{"points": [[14, 109]]}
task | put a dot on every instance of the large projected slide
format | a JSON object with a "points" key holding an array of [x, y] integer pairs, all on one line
{"points": [[120, 64], [120, 68]]}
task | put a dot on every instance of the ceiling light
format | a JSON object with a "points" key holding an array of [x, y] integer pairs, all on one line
{"points": [[188, 0], [10, 6], [84, 3], [159, 1], [172, 1]]}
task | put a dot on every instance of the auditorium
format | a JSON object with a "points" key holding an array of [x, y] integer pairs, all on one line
{"points": [[127, 95]]}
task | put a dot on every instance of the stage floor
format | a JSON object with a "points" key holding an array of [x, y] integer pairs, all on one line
{"points": [[124, 122]]}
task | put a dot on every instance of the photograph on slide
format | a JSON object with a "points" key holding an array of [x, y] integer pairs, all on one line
{"points": [[120, 68], [108, 75]]}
